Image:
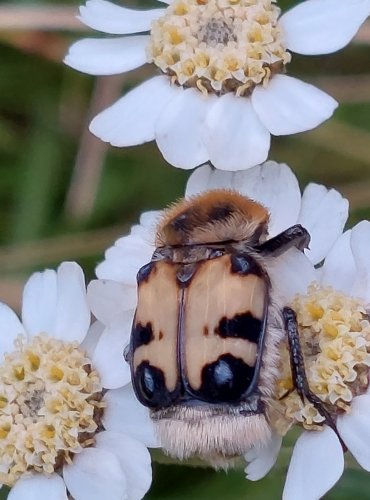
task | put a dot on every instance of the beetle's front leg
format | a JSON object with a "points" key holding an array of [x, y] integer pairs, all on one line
{"points": [[296, 236]]}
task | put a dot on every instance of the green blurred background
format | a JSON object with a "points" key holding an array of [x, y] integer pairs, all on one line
{"points": [[64, 195]]}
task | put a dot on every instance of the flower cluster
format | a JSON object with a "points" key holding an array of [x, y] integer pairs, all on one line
{"points": [[50, 398], [335, 337], [70, 423], [337, 358], [66, 402], [58, 418]]}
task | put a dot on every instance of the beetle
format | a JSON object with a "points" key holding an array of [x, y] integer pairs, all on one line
{"points": [[204, 349]]}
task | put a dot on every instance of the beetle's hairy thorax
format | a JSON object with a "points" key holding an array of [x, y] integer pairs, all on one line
{"points": [[214, 217]]}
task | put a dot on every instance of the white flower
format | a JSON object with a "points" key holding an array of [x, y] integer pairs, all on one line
{"points": [[323, 212], [53, 408], [317, 461], [222, 91]]}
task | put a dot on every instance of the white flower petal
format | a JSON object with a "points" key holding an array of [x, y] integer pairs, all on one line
{"points": [[126, 415], [291, 273], [92, 337], [234, 136], [109, 298], [72, 313], [95, 474], [108, 355], [354, 429], [205, 178], [316, 465], [124, 259], [262, 459], [40, 302], [39, 487], [10, 328], [323, 26], [180, 128], [150, 219], [276, 187], [107, 56], [132, 119], [146, 230], [360, 245], [126, 274], [339, 270], [110, 18], [324, 213], [287, 105], [134, 459]]}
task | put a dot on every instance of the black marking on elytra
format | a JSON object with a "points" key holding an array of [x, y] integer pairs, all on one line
{"points": [[225, 380], [160, 336], [220, 212], [242, 326], [185, 274], [145, 272], [244, 264], [206, 331], [141, 335], [150, 386]]}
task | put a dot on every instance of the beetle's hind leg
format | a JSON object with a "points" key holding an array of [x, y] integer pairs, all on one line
{"points": [[299, 373]]}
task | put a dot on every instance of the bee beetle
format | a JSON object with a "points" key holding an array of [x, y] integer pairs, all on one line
{"points": [[206, 332]]}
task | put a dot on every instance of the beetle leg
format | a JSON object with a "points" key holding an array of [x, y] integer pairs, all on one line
{"points": [[296, 236], [298, 371]]}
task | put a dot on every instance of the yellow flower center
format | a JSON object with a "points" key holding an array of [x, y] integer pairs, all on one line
{"points": [[219, 45], [50, 406], [335, 338]]}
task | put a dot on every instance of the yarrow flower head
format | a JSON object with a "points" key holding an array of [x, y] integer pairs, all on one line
{"points": [[61, 431], [229, 46], [222, 89], [335, 337], [333, 318]]}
